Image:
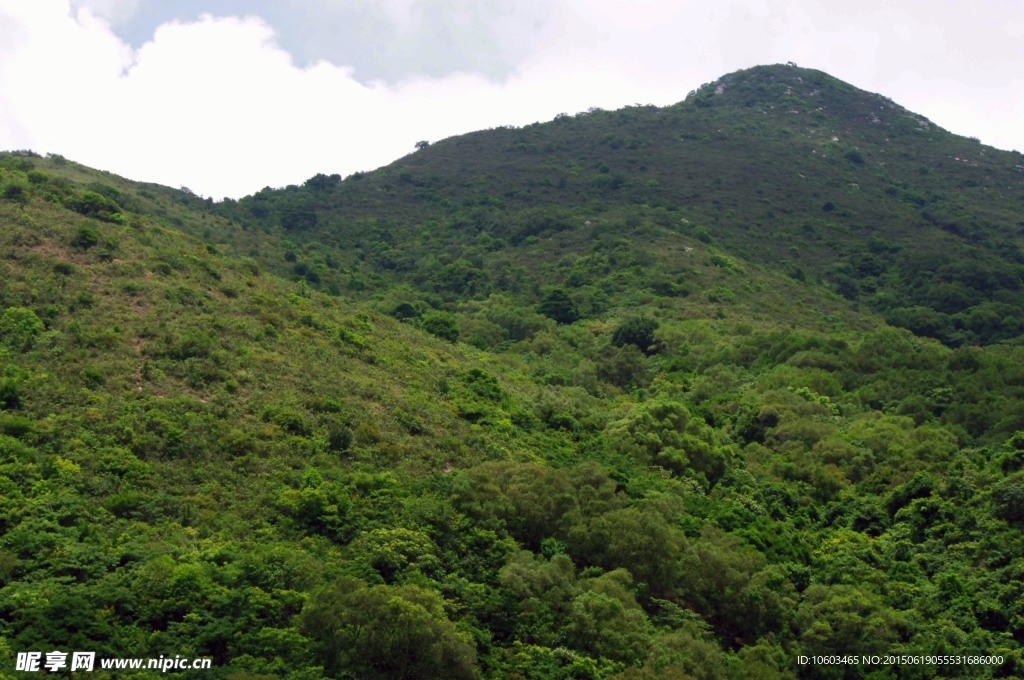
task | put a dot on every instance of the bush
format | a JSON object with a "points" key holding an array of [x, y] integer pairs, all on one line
{"points": [[298, 218], [16, 192], [93, 378], [339, 438], [559, 306], [10, 396], [386, 632], [406, 310], [289, 419], [441, 325], [638, 331], [15, 426], [623, 367], [1008, 499], [19, 328], [92, 204], [86, 237]]}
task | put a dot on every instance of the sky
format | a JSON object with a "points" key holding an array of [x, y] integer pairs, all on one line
{"points": [[226, 97]]}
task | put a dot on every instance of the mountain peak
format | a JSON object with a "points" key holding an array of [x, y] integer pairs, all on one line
{"points": [[775, 80], [792, 89]]}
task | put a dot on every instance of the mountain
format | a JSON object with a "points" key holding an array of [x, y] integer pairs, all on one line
{"points": [[779, 165], [689, 392]]}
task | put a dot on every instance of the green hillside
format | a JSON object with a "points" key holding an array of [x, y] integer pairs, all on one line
{"points": [[783, 166], [655, 393]]}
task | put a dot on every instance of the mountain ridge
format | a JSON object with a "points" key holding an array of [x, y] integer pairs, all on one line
{"points": [[851, 191]]}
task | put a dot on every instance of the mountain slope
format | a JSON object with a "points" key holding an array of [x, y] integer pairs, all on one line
{"points": [[774, 164]]}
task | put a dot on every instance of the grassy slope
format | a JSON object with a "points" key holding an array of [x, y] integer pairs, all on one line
{"points": [[176, 400]]}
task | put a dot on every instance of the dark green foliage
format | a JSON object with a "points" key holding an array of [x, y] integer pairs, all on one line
{"points": [[288, 419], [15, 192], [10, 396], [835, 620], [640, 541], [16, 426], [1008, 499], [559, 306], [462, 278], [406, 310], [637, 331], [92, 378], [339, 438], [387, 632], [442, 325], [298, 218], [484, 384], [85, 237], [92, 204], [623, 367], [322, 182]]}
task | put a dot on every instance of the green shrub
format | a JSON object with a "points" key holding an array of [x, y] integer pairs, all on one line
{"points": [[1008, 499], [559, 306], [287, 418], [93, 378], [19, 328], [406, 310], [441, 325], [386, 632], [64, 268], [484, 384], [15, 426], [92, 204], [10, 396], [638, 331], [85, 237], [339, 438], [16, 192]]}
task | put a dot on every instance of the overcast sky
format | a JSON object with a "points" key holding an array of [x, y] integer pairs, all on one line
{"points": [[229, 96]]}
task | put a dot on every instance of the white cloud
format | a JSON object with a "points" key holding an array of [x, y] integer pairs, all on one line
{"points": [[56, 73], [217, 105], [114, 11], [213, 104]]}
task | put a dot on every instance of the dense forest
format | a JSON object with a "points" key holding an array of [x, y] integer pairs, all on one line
{"points": [[685, 392]]}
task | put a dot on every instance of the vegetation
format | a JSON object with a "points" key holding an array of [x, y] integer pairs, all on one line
{"points": [[655, 393]]}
